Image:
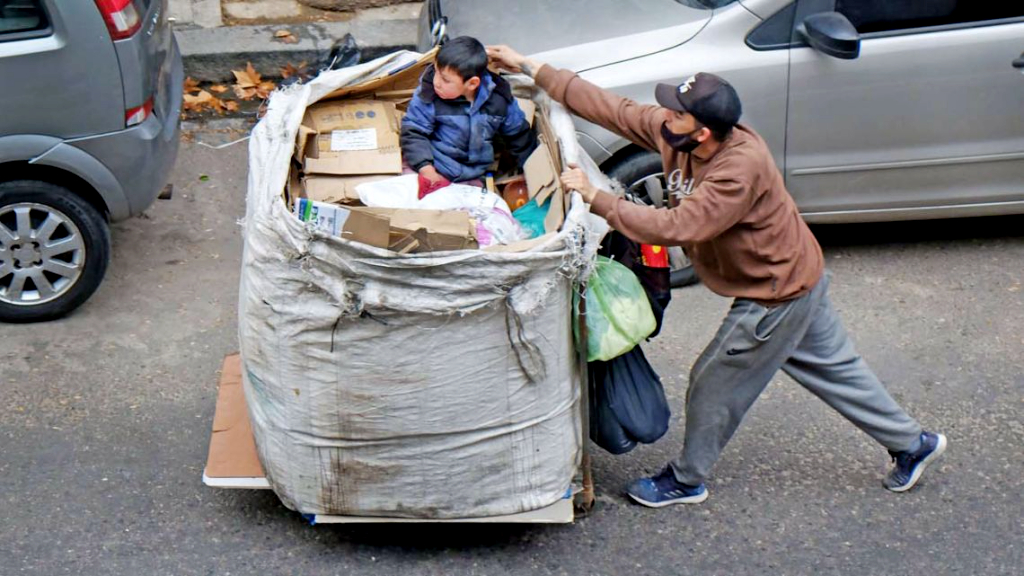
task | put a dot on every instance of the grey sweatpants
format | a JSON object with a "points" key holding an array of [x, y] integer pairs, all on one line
{"points": [[806, 339]]}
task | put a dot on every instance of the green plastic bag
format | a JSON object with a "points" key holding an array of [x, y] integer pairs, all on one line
{"points": [[618, 314]]}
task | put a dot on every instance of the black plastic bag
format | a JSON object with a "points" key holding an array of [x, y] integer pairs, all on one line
{"points": [[605, 429], [344, 53], [627, 402]]}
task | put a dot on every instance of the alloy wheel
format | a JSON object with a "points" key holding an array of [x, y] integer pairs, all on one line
{"points": [[42, 254]]}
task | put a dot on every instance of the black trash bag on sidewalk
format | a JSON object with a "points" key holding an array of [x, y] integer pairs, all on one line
{"points": [[344, 53], [656, 281], [627, 402]]}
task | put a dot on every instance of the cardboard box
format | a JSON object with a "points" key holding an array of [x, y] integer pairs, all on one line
{"points": [[350, 137], [441, 230], [293, 190], [396, 229], [345, 223], [556, 212], [545, 130], [542, 179], [337, 189]]}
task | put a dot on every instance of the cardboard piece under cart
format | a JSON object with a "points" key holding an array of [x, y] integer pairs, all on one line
{"points": [[232, 463]]}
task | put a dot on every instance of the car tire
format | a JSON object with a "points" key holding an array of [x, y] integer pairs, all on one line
{"points": [[54, 250], [635, 173]]}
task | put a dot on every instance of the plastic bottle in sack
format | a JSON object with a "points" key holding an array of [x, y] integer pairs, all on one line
{"points": [[516, 194]]}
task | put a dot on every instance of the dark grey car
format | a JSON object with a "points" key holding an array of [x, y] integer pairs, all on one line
{"points": [[88, 135]]}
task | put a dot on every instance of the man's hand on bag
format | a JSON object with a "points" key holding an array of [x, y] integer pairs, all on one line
{"points": [[508, 59], [575, 179]]}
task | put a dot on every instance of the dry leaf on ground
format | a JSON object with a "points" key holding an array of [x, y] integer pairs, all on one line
{"points": [[205, 100], [265, 88], [218, 88], [290, 70], [286, 36], [198, 102], [244, 93], [250, 84], [248, 78], [191, 85]]}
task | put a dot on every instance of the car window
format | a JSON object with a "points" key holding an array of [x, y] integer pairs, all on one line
{"points": [[774, 32], [892, 15], [20, 16]]}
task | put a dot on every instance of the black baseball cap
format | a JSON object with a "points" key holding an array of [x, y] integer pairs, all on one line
{"points": [[709, 98]]}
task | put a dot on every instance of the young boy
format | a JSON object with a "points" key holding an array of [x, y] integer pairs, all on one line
{"points": [[449, 129]]}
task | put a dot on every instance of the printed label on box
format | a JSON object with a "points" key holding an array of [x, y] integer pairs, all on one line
{"points": [[346, 140]]}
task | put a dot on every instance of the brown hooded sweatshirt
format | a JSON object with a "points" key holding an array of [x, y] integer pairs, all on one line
{"points": [[731, 212]]}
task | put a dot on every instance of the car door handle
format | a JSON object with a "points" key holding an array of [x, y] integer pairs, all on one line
{"points": [[1019, 62]]}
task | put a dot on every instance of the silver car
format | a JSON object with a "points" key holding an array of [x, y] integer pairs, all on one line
{"points": [[88, 134], [875, 110]]}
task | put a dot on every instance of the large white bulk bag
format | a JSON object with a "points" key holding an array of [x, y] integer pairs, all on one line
{"points": [[436, 385]]}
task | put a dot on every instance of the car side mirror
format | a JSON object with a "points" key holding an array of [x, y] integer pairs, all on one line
{"points": [[831, 33]]}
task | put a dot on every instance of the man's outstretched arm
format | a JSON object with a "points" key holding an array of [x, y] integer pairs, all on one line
{"points": [[638, 123]]}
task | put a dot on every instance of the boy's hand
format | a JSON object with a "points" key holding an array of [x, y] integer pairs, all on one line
{"points": [[431, 173], [508, 59], [429, 181], [575, 179]]}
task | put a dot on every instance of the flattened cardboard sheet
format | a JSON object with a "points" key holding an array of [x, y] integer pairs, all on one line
{"points": [[446, 230], [232, 448], [379, 86], [541, 177], [337, 189], [345, 222]]}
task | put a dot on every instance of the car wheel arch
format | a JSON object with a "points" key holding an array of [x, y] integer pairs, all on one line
{"points": [[621, 155], [69, 159], [25, 170]]}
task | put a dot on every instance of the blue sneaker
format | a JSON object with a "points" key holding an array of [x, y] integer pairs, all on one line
{"points": [[910, 465], [663, 490]]}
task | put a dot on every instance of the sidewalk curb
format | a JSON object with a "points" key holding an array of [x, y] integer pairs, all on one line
{"points": [[228, 124], [211, 53]]}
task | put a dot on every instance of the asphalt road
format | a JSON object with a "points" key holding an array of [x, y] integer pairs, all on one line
{"points": [[106, 417]]}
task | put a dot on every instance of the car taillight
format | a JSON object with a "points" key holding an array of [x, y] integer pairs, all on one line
{"points": [[121, 17], [138, 115]]}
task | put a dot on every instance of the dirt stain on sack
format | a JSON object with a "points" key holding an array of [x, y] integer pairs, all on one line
{"points": [[342, 479]]}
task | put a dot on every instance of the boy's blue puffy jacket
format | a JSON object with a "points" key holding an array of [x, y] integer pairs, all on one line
{"points": [[457, 136]]}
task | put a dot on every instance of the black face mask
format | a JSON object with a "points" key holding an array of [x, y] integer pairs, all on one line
{"points": [[685, 143]]}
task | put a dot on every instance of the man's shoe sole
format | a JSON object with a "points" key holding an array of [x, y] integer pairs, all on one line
{"points": [[939, 449], [695, 499]]}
